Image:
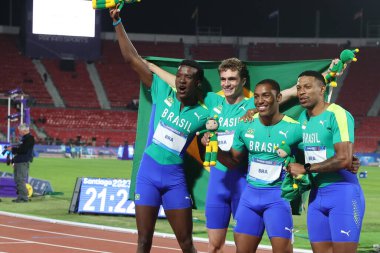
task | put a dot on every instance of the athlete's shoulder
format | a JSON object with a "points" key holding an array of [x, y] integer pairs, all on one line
{"points": [[338, 111], [212, 94], [336, 108], [157, 81], [202, 105], [212, 99], [289, 120]]}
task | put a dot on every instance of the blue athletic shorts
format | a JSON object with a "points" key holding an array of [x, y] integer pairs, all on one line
{"points": [[335, 213], [158, 184], [223, 195], [263, 208]]}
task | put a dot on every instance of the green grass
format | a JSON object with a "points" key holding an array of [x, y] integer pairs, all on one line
{"points": [[62, 174]]}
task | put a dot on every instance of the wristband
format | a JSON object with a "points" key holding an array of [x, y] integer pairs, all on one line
{"points": [[115, 23], [307, 167]]}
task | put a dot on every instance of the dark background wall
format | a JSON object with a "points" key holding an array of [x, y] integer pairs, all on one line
{"points": [[235, 17]]}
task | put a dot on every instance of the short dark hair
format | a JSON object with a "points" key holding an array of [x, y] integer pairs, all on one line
{"points": [[273, 83], [196, 65], [314, 74]]}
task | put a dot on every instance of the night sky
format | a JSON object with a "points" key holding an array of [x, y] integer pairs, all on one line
{"points": [[236, 18]]}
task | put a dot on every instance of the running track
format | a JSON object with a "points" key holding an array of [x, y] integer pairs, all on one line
{"points": [[21, 233]]}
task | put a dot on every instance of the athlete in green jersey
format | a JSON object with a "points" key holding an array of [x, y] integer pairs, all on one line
{"points": [[174, 124], [261, 206], [336, 202], [260, 141], [176, 117], [225, 186]]}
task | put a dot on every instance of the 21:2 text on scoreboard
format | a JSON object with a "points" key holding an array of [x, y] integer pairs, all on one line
{"points": [[102, 195]]}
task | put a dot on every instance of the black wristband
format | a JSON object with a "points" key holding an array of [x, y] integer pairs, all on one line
{"points": [[307, 168]]}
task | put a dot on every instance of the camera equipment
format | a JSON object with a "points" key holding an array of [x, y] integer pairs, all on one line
{"points": [[5, 150]]}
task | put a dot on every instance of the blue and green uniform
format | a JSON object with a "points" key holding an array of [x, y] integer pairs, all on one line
{"points": [[336, 205], [225, 186], [261, 206], [161, 179]]}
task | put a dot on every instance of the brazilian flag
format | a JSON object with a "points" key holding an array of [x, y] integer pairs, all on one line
{"points": [[285, 73]]}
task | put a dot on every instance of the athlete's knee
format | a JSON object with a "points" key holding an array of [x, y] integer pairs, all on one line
{"points": [[187, 245], [215, 247], [144, 243]]}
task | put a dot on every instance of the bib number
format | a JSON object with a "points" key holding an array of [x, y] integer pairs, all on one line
{"points": [[225, 140], [264, 171], [315, 154], [169, 138]]}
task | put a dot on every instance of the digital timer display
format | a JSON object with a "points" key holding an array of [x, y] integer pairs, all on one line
{"points": [[107, 196]]}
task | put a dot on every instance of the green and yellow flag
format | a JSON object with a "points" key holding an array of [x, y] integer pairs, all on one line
{"points": [[285, 73]]}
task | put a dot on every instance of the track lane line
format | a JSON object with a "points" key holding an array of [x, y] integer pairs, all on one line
{"points": [[54, 245]]}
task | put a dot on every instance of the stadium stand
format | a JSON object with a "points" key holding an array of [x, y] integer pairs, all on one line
{"points": [[66, 124], [367, 134], [364, 79], [75, 87], [161, 49], [122, 86], [213, 52], [18, 71], [291, 52], [120, 83]]}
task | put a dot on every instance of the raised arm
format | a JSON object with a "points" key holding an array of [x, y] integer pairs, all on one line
{"points": [[291, 92], [163, 74], [129, 52], [288, 94]]}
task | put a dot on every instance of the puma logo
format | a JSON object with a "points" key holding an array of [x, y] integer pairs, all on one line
{"points": [[198, 116], [345, 232], [284, 133], [289, 229], [322, 122], [243, 108]]}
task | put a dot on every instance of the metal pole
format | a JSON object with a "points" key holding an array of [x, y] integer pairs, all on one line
{"points": [[278, 25], [10, 13], [22, 110], [361, 26], [317, 20], [9, 120], [278, 29]]}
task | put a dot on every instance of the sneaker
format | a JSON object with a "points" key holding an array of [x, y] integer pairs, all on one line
{"points": [[19, 200]]}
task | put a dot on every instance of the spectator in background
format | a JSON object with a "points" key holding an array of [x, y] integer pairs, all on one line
{"points": [[23, 154], [378, 147], [42, 119], [107, 142]]}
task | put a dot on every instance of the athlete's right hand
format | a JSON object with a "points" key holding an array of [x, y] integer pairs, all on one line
{"points": [[115, 13], [248, 116], [205, 139], [355, 165]]}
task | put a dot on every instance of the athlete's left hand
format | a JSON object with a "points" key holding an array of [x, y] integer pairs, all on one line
{"points": [[355, 165], [248, 116], [295, 169]]}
